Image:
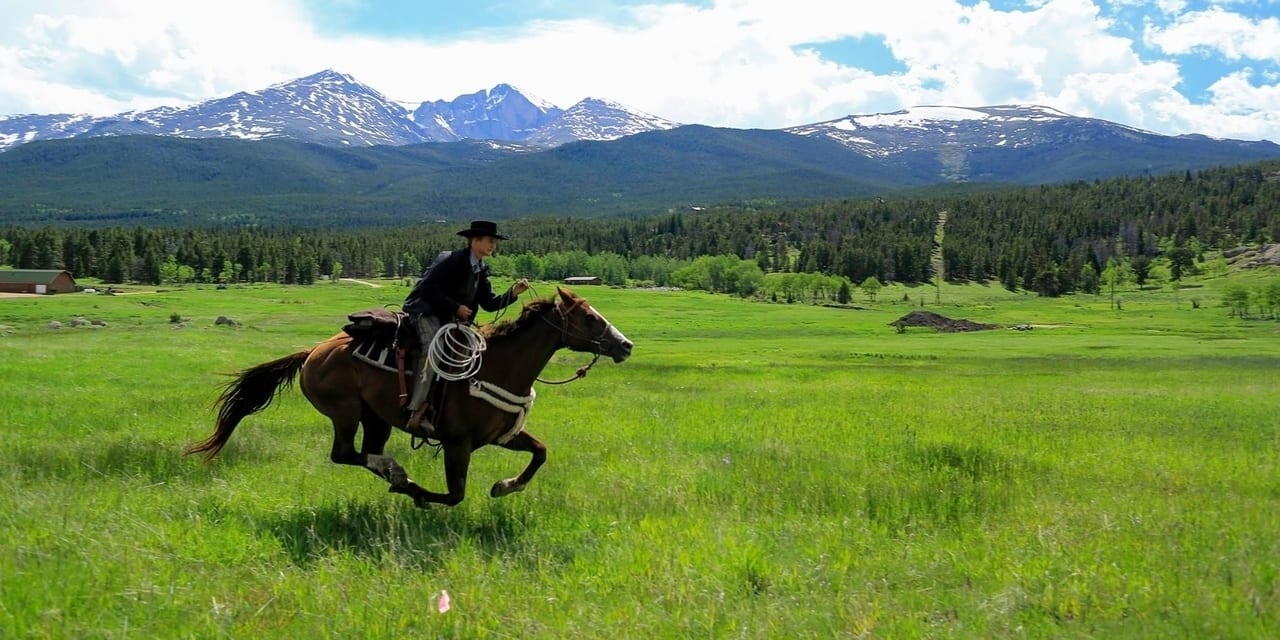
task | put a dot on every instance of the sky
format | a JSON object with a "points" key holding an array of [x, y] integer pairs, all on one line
{"points": [[1169, 66]]}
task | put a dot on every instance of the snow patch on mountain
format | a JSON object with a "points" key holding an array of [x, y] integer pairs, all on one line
{"points": [[23, 128], [916, 117]]}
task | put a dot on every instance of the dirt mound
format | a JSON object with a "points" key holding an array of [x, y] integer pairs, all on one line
{"points": [[938, 323]]}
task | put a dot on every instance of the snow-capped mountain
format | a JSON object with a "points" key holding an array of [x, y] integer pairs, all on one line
{"points": [[501, 113], [334, 109], [1020, 143], [596, 119], [920, 145], [328, 108], [936, 128], [657, 170], [21, 129]]}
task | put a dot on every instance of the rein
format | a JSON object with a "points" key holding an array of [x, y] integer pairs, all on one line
{"points": [[582, 373], [564, 331]]}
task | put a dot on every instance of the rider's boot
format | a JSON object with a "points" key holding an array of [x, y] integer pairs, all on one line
{"points": [[418, 425]]}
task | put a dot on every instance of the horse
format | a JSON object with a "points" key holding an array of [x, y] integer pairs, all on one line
{"points": [[489, 408]]}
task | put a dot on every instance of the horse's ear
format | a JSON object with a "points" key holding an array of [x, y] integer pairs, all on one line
{"points": [[566, 295]]}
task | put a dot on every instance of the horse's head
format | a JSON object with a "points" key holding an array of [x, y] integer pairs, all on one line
{"points": [[586, 330]]}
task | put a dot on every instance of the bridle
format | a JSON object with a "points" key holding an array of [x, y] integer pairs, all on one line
{"points": [[566, 331]]}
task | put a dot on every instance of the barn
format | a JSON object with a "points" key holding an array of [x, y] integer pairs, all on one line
{"points": [[36, 281], [583, 280]]}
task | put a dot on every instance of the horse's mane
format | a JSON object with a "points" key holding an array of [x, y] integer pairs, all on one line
{"points": [[530, 312]]}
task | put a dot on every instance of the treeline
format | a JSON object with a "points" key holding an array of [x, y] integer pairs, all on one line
{"points": [[1049, 239], [1056, 239]]}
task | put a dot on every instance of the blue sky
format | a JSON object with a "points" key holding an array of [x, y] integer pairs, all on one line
{"points": [[1170, 66]]}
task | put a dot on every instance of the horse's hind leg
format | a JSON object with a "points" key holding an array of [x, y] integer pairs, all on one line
{"points": [[376, 433], [522, 441], [344, 452], [328, 381], [346, 422], [457, 458]]}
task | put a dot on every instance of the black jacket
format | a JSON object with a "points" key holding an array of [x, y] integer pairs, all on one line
{"points": [[450, 283]]}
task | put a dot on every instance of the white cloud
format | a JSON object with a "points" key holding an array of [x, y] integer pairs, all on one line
{"points": [[138, 54], [1232, 35], [1165, 6], [1238, 109], [739, 63]]}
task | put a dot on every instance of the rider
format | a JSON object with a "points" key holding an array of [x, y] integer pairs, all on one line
{"points": [[449, 292]]}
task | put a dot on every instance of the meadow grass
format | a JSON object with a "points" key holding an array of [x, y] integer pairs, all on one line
{"points": [[754, 471]]}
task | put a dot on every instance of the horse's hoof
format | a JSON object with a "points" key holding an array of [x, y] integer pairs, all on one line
{"points": [[421, 502], [389, 470], [504, 487]]}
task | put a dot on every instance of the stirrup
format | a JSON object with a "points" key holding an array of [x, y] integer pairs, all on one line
{"points": [[418, 424]]}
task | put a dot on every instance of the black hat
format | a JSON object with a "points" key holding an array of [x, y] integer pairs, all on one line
{"points": [[482, 228]]}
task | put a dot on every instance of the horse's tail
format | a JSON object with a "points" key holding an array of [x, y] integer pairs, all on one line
{"points": [[251, 392]]}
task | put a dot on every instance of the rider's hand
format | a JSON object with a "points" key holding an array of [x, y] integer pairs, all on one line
{"points": [[464, 312], [520, 286]]}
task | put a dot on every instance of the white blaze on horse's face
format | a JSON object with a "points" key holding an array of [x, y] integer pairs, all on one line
{"points": [[587, 330], [612, 342]]}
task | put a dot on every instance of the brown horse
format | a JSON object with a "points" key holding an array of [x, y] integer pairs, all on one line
{"points": [[487, 409]]}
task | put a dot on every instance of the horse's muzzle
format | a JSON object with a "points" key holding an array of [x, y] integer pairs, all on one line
{"points": [[619, 346], [621, 351]]}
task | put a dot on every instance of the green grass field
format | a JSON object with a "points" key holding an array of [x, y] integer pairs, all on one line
{"points": [[754, 471]]}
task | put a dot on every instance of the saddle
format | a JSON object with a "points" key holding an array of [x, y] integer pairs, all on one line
{"points": [[388, 341], [384, 339], [378, 334]]}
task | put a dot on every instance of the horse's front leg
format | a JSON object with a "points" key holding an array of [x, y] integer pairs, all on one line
{"points": [[457, 459], [522, 441]]}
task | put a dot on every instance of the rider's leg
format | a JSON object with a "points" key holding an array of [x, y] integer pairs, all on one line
{"points": [[427, 327]]}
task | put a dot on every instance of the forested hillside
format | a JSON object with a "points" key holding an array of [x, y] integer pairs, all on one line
{"points": [[1050, 239], [159, 181]]}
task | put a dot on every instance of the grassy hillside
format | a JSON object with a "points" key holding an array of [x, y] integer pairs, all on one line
{"points": [[755, 470]]}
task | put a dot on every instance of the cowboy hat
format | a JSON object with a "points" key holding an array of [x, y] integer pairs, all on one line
{"points": [[482, 228]]}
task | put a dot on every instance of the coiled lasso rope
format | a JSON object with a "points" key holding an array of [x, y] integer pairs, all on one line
{"points": [[455, 351]]}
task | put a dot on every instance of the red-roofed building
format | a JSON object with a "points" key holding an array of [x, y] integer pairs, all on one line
{"points": [[36, 281]]}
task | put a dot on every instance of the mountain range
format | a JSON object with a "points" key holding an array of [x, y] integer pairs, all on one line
{"points": [[334, 109], [328, 148]]}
